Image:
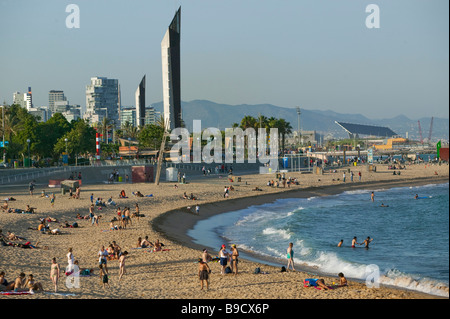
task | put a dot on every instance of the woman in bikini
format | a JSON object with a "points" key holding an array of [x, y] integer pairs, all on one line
{"points": [[122, 264], [54, 273], [290, 256]]}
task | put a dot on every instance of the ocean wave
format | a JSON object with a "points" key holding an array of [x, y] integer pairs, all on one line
{"points": [[396, 278], [278, 232]]}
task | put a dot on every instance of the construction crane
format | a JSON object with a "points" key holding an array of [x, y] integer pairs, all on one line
{"points": [[420, 132], [431, 130]]}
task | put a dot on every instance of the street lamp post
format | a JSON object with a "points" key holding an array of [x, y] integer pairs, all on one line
{"points": [[28, 142], [298, 120], [3, 127]]}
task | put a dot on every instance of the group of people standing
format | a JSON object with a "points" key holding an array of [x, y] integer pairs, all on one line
{"points": [[225, 257]]}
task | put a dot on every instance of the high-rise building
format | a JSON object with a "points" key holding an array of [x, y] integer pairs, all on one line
{"points": [[41, 113], [150, 115], [20, 99], [140, 103], [23, 99], [29, 99], [170, 53], [55, 96], [102, 100], [128, 115]]}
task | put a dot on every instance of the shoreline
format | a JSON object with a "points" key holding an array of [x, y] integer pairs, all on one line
{"points": [[175, 224]]}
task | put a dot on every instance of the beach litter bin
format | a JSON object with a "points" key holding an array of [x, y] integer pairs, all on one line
{"points": [[120, 178]]}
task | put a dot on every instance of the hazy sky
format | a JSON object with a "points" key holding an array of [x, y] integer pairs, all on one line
{"points": [[315, 54]]}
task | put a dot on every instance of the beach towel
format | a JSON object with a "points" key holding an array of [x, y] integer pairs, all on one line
{"points": [[59, 293], [155, 251], [16, 292]]}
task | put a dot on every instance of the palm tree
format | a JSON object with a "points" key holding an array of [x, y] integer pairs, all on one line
{"points": [[106, 125], [12, 122], [249, 122]]}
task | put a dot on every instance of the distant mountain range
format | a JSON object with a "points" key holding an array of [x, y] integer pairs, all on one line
{"points": [[223, 116]]}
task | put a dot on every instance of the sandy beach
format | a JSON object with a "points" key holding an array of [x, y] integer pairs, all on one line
{"points": [[173, 272]]}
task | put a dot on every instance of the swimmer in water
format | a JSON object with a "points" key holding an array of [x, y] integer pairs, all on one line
{"points": [[354, 243], [416, 197], [382, 205], [372, 196], [367, 241], [340, 243]]}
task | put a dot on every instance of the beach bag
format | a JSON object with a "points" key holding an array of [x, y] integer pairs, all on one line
{"points": [[228, 270], [75, 225], [283, 269], [257, 270]]}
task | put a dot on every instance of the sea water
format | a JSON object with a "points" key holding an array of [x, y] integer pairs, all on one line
{"points": [[410, 247]]}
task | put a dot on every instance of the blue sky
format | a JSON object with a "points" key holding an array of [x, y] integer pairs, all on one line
{"points": [[316, 54]]}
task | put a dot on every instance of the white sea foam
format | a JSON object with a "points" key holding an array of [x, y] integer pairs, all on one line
{"points": [[277, 232]]}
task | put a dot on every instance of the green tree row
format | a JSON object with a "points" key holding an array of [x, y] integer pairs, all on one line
{"points": [[47, 140]]}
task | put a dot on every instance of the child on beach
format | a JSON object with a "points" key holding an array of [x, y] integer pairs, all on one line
{"points": [[103, 277], [342, 280]]}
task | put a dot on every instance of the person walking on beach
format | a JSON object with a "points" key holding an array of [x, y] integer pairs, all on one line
{"points": [[359, 174], [122, 264], [102, 254], [223, 254], [234, 259], [104, 277], [203, 273], [137, 212], [54, 273], [343, 177], [70, 260], [290, 256], [52, 199], [31, 187]]}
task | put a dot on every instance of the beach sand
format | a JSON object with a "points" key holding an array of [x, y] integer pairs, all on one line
{"points": [[173, 274]]}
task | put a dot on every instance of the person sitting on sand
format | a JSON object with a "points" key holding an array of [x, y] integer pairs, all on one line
{"points": [[145, 243], [111, 202], [342, 280], [157, 246], [4, 284], [19, 283], [185, 196], [122, 194], [192, 197], [5, 206], [30, 210], [110, 251], [138, 194], [33, 285]]}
